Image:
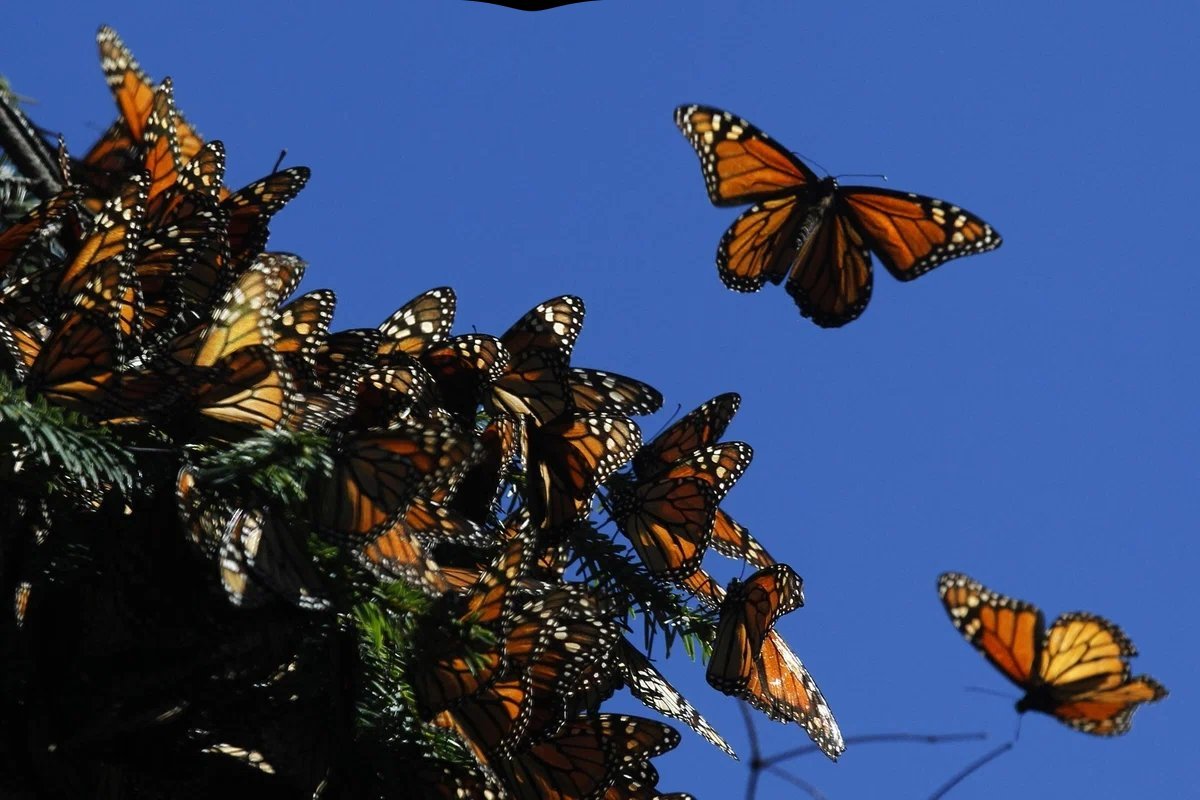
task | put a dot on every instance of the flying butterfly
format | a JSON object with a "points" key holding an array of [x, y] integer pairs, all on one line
{"points": [[1076, 670], [817, 235], [751, 660]]}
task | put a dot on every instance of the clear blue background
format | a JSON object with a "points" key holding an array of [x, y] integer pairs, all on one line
{"points": [[1027, 416]]}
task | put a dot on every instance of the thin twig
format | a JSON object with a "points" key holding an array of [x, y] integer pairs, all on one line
{"points": [[813, 791], [872, 738], [974, 765], [755, 762]]}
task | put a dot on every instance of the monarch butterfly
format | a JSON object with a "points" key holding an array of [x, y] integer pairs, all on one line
{"points": [[597, 391], [396, 553], [1076, 670], [18, 239], [161, 158], [115, 235], [418, 324], [377, 474], [813, 232], [556, 638], [260, 558], [698, 428], [75, 367], [492, 722], [750, 660], [133, 90], [179, 264], [244, 317], [586, 757], [249, 387], [481, 486], [463, 367], [340, 362], [535, 381], [448, 672], [675, 452], [627, 666], [569, 458], [251, 208], [668, 521], [303, 325]]}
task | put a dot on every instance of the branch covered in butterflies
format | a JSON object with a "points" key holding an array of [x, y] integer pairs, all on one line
{"points": [[381, 546]]}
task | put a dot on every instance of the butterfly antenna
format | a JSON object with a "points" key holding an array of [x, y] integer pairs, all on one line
{"points": [[665, 425], [812, 161], [805, 786], [877, 738], [972, 767], [878, 175], [992, 692], [279, 161]]}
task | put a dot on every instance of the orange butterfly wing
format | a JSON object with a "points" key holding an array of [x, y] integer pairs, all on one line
{"points": [[1007, 631], [912, 233], [698, 428], [741, 164], [1085, 678], [570, 458], [831, 274], [669, 523]]}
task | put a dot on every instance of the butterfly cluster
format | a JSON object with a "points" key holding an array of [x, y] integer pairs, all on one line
{"points": [[448, 522]]}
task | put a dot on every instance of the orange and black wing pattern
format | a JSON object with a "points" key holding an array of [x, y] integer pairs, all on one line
{"points": [[536, 380], [1077, 670], [748, 614], [418, 324], [569, 459], [377, 474], [698, 428], [751, 660], [1086, 679], [910, 233], [1008, 632], [597, 391], [669, 521], [741, 164], [817, 235]]}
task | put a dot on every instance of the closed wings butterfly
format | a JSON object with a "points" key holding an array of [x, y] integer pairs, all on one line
{"points": [[750, 659], [811, 232], [1077, 670]]}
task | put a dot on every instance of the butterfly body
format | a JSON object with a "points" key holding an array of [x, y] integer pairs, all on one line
{"points": [[813, 232]]}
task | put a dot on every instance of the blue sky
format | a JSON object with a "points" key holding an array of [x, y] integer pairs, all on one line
{"points": [[1026, 416]]}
